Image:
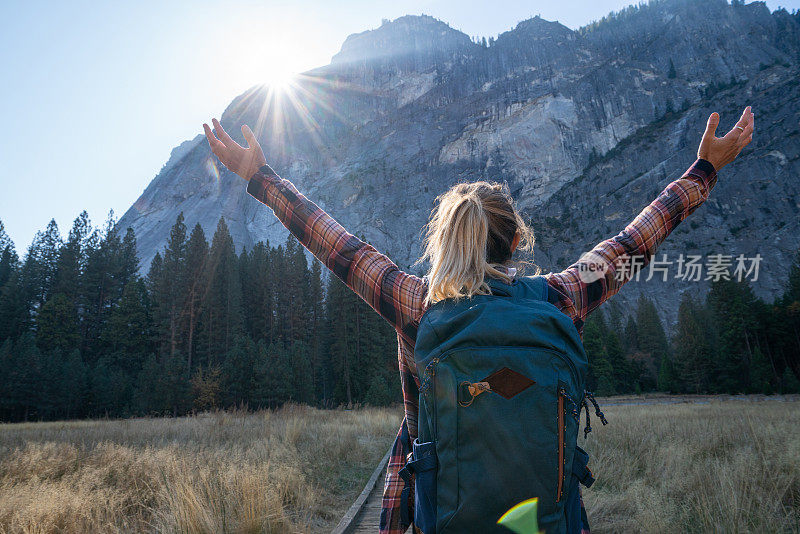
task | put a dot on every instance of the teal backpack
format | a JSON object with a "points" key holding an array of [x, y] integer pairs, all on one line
{"points": [[502, 382]]}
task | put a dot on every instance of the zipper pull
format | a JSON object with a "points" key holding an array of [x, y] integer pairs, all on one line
{"points": [[478, 387], [473, 389], [597, 411], [588, 427]]}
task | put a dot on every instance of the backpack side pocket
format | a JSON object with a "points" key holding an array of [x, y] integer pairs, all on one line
{"points": [[423, 466], [581, 474]]}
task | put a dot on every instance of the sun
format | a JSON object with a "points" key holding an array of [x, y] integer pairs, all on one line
{"points": [[281, 78], [274, 66]]}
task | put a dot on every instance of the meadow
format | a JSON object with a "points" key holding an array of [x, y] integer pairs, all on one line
{"points": [[719, 466], [722, 466], [295, 469]]}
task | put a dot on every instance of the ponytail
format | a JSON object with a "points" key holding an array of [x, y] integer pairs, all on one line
{"points": [[468, 236]]}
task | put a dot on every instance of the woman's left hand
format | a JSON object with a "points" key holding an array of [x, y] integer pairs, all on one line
{"points": [[719, 151], [243, 161]]}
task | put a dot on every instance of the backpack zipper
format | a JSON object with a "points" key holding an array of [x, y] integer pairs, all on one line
{"points": [[561, 430], [430, 370]]}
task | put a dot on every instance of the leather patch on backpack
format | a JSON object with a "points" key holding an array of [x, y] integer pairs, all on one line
{"points": [[508, 383]]}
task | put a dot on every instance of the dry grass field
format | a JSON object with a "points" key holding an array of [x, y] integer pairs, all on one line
{"points": [[723, 466], [293, 470]]}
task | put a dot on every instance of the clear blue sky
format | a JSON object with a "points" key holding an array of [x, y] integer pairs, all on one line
{"points": [[96, 94]]}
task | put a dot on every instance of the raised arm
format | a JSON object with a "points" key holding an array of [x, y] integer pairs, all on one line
{"points": [[397, 296], [601, 272]]}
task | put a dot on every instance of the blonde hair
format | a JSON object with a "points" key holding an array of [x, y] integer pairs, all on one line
{"points": [[468, 236]]}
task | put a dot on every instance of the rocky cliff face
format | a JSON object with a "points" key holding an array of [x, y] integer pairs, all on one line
{"points": [[585, 126]]}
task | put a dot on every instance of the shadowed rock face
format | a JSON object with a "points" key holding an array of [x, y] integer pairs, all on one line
{"points": [[585, 126]]}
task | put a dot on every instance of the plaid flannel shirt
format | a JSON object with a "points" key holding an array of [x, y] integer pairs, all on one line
{"points": [[398, 296]]}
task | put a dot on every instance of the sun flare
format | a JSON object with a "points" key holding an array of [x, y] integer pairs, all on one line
{"points": [[281, 78]]}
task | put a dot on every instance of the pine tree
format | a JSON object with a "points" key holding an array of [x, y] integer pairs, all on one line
{"points": [[302, 379], [175, 387], [8, 257], [127, 333], [360, 344], [630, 336], [24, 379], [196, 258], [761, 374], [238, 372], [672, 73], [222, 312], [110, 389], [601, 373], [377, 350], [378, 393], [731, 306], [162, 387], [789, 322], [148, 393], [789, 382], [667, 377], [5, 241], [316, 327], [127, 261], [694, 355], [102, 286], [273, 375], [6, 363], [295, 292], [258, 281], [57, 325], [72, 258], [652, 341], [39, 267], [301, 304], [51, 367], [15, 316], [72, 386], [155, 287], [342, 349], [792, 293], [615, 318], [169, 290], [625, 380]]}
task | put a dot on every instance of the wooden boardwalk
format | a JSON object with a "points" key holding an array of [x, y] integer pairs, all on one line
{"points": [[368, 521], [364, 515]]}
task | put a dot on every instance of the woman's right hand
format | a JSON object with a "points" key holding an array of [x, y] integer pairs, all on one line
{"points": [[719, 151], [243, 161]]}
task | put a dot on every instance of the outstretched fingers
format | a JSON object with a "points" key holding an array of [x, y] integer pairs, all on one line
{"points": [[252, 142], [223, 135], [744, 121], [747, 134], [213, 142], [711, 127]]}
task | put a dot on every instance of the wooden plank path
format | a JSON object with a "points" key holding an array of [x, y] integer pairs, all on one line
{"points": [[364, 514]]}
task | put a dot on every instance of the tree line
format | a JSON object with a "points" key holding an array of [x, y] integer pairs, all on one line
{"points": [[82, 334], [728, 341]]}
